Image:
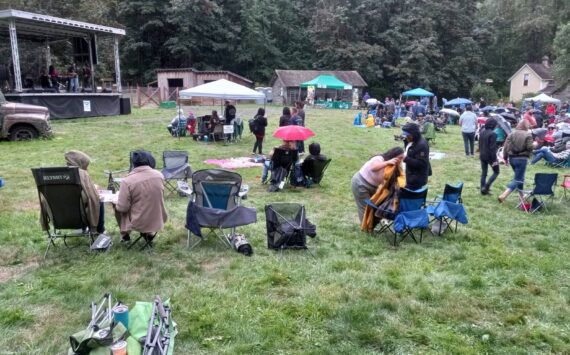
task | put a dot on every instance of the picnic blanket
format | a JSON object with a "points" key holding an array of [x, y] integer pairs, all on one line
{"points": [[234, 163]]}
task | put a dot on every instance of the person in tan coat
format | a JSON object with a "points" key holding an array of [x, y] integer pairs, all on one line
{"points": [[93, 206], [140, 206]]}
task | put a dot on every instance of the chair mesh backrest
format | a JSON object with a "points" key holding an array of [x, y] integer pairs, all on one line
{"points": [[285, 223], [412, 200], [284, 158], [216, 188], [544, 183], [174, 158], [59, 191], [452, 193], [316, 169]]}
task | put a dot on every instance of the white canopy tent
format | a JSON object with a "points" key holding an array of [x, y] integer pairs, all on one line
{"points": [[543, 98], [222, 89]]}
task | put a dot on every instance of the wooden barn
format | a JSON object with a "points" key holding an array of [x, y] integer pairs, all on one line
{"points": [[286, 85]]}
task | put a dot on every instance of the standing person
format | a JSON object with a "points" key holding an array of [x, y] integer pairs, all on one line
{"points": [[259, 129], [416, 158], [301, 110], [468, 123], [141, 199], [488, 154], [298, 121], [73, 78], [54, 76], [529, 117], [371, 175], [230, 112], [518, 148], [86, 76], [550, 109], [285, 119]]}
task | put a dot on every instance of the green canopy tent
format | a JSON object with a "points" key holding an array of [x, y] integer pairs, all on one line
{"points": [[326, 81]]}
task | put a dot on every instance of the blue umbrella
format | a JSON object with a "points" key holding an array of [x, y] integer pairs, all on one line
{"points": [[458, 101], [417, 92], [488, 108]]}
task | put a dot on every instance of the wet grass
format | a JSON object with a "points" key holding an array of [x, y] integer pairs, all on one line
{"points": [[499, 285]]}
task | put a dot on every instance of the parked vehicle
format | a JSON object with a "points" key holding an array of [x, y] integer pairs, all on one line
{"points": [[23, 122]]}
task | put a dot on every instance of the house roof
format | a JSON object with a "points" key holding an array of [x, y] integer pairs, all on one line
{"points": [[294, 78], [538, 68], [203, 72]]}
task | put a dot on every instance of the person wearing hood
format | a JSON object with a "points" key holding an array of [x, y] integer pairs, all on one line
{"points": [[93, 205], [416, 158], [488, 154], [140, 206]]}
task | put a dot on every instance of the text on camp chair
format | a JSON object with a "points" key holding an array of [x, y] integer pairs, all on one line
{"points": [[62, 203]]}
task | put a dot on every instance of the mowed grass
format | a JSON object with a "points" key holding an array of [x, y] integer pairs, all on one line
{"points": [[499, 285]]}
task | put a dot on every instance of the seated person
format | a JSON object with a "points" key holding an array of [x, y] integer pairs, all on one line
{"points": [[191, 124], [267, 165], [214, 121], [141, 199], [551, 157], [94, 207], [175, 123], [303, 169]]}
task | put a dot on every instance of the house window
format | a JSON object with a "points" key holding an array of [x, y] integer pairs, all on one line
{"points": [[525, 80]]}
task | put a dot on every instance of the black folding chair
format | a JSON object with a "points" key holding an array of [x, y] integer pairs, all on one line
{"points": [[62, 204], [314, 170], [176, 168], [282, 162], [544, 185], [287, 226]]}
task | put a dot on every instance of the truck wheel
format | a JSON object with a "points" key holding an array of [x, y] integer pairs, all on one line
{"points": [[23, 133]]}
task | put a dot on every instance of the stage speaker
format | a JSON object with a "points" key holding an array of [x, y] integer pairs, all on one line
{"points": [[125, 104]]}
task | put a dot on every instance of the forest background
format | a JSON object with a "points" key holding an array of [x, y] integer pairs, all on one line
{"points": [[447, 46]]}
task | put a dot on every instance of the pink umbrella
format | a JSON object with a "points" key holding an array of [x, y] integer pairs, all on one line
{"points": [[293, 133]]}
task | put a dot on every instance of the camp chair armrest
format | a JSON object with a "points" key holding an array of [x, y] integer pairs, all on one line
{"points": [[435, 201]]}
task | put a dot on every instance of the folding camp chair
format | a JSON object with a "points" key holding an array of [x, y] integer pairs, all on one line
{"points": [[114, 178], [176, 168], [314, 170], [180, 130], [62, 204], [544, 185], [287, 226], [282, 162], [159, 332], [215, 204], [238, 129], [411, 215], [448, 207]]}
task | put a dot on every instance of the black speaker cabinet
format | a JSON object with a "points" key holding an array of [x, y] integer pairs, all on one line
{"points": [[125, 104]]}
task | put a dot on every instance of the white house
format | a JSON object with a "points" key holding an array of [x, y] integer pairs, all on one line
{"points": [[531, 78]]}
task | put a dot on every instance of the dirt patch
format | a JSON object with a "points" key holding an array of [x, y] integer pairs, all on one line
{"points": [[8, 273]]}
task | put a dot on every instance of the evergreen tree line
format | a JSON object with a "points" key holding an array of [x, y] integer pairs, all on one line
{"points": [[447, 46]]}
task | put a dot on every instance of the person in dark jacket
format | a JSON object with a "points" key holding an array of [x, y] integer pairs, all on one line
{"points": [[285, 119], [488, 154], [518, 148], [230, 112], [260, 124], [417, 157]]}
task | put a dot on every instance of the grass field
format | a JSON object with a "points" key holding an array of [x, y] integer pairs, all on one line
{"points": [[499, 285]]}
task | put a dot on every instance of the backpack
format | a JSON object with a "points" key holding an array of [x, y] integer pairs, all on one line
{"points": [[253, 125]]}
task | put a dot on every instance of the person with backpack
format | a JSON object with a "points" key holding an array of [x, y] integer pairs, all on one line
{"points": [[257, 127]]}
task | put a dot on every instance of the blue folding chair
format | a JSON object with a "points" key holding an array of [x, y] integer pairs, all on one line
{"points": [[543, 186], [448, 207], [411, 215]]}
